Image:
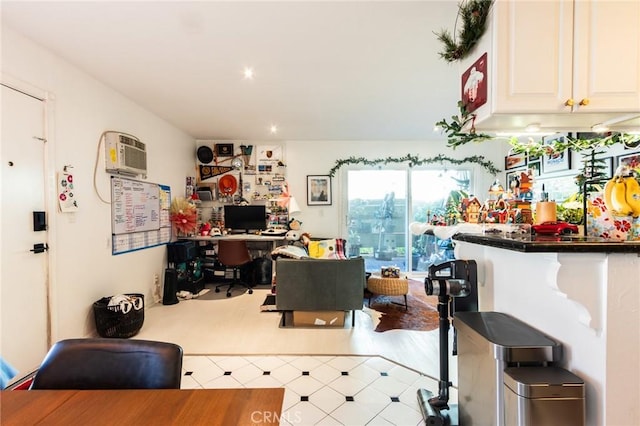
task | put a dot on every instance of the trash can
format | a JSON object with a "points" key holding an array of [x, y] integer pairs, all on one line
{"points": [[489, 342], [545, 396]]}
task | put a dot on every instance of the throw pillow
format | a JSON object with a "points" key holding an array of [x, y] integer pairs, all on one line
{"points": [[327, 249], [291, 251]]}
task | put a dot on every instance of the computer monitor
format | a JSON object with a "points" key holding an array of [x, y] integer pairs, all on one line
{"points": [[245, 218]]}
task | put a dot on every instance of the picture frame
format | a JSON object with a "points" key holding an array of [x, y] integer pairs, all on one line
{"points": [[535, 165], [606, 169], [511, 180], [558, 161], [319, 190], [515, 161], [631, 160], [224, 149]]}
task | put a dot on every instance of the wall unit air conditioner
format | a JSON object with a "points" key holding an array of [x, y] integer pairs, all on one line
{"points": [[125, 154]]}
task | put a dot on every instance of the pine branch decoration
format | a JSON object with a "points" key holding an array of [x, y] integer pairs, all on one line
{"points": [[474, 15]]}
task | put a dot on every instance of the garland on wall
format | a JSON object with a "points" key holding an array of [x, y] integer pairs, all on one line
{"points": [[414, 160], [474, 14]]}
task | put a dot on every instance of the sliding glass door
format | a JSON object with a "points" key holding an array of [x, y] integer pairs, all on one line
{"points": [[383, 203]]}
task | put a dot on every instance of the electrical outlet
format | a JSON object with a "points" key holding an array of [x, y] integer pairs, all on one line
{"points": [[156, 279]]}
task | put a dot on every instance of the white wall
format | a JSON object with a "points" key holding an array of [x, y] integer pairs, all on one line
{"points": [[319, 157], [83, 268]]}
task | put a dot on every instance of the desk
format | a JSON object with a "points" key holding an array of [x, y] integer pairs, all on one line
{"points": [[246, 237], [137, 407]]}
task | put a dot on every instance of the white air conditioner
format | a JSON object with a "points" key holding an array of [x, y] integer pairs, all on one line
{"points": [[125, 154]]}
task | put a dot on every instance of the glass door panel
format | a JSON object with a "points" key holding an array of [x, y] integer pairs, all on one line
{"points": [[377, 217]]}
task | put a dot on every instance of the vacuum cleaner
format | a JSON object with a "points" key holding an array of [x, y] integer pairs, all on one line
{"points": [[455, 283]]}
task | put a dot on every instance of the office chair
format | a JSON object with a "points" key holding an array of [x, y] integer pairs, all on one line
{"points": [[110, 364], [234, 254]]}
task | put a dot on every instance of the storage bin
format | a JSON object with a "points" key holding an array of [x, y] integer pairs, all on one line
{"points": [[114, 321], [489, 342], [549, 396]]}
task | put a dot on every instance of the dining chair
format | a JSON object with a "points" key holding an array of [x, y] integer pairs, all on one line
{"points": [[105, 363], [234, 254]]}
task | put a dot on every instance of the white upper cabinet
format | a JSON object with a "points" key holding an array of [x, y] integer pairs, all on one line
{"points": [[564, 64]]}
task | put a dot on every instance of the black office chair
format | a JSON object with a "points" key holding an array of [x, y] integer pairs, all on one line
{"points": [[234, 254], [110, 364]]}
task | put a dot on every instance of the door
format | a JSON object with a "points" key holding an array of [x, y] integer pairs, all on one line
{"points": [[24, 311], [382, 205]]}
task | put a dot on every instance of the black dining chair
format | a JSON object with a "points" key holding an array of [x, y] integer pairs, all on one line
{"points": [[104, 363], [234, 254]]}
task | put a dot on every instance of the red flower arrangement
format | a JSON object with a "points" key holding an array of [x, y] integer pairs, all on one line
{"points": [[183, 215]]}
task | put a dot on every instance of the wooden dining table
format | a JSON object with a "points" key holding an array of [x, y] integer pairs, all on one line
{"points": [[142, 407]]}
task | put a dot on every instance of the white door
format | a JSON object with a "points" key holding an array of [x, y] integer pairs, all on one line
{"points": [[24, 311]]}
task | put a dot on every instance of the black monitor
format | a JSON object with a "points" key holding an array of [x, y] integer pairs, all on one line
{"points": [[245, 218]]}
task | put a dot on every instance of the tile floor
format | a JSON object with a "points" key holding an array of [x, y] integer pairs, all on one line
{"points": [[229, 342], [320, 389]]}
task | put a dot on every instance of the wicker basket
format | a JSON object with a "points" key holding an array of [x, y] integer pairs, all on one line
{"points": [[112, 321], [388, 286]]}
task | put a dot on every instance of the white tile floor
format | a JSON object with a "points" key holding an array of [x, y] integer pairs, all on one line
{"points": [[320, 389], [229, 342]]}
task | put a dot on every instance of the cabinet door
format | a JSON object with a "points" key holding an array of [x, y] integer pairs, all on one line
{"points": [[607, 56], [533, 42]]}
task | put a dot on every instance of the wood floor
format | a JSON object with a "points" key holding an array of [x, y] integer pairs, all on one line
{"points": [[215, 324]]}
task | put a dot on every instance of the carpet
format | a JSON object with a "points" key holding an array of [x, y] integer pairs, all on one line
{"points": [[422, 314]]}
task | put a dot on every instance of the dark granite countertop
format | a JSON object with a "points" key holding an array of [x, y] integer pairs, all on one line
{"points": [[551, 244]]}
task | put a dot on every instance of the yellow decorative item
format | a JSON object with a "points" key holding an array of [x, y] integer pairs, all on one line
{"points": [[327, 249]]}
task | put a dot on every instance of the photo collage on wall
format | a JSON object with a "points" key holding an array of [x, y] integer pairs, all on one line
{"points": [[231, 169]]}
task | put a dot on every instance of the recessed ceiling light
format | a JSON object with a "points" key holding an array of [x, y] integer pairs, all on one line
{"points": [[248, 73], [273, 129], [532, 128], [600, 128]]}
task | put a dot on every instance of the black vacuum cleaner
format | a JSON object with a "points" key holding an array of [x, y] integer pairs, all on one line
{"points": [[456, 284]]}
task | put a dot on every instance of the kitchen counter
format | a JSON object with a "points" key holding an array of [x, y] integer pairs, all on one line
{"points": [[551, 244], [581, 291]]}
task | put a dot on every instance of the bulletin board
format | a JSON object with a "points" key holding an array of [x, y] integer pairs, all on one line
{"points": [[139, 214]]}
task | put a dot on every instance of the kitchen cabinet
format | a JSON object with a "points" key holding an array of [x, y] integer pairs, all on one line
{"points": [[565, 64]]}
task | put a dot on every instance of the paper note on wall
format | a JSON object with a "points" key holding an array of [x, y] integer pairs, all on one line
{"points": [[66, 193]]}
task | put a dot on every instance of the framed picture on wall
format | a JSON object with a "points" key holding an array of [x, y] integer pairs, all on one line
{"points": [[535, 165], [318, 190], [514, 161], [512, 180], [632, 161], [557, 161]]}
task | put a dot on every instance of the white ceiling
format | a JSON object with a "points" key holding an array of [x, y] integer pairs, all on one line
{"points": [[324, 70]]}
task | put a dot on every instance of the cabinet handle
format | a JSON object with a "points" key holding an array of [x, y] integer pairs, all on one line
{"points": [[569, 102], [584, 102]]}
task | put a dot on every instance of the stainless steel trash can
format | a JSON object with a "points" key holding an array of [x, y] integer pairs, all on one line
{"points": [[489, 342], [543, 396]]}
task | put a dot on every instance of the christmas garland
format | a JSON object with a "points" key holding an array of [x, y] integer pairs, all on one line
{"points": [[537, 148], [456, 135], [416, 161], [474, 14]]}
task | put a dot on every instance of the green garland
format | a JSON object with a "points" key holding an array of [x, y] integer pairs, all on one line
{"points": [[416, 161], [457, 136], [456, 133], [474, 14], [537, 148]]}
